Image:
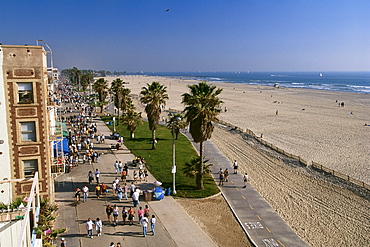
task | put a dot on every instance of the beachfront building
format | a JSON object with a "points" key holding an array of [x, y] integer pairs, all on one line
{"points": [[25, 146]]}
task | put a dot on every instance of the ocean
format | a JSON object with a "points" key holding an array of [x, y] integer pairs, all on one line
{"points": [[354, 82]]}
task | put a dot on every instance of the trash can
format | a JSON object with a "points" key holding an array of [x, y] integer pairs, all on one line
{"points": [[148, 194], [168, 191]]}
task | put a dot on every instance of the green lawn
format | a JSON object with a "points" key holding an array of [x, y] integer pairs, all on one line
{"points": [[159, 161]]}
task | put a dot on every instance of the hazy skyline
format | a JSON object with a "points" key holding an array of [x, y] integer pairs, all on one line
{"points": [[195, 35]]}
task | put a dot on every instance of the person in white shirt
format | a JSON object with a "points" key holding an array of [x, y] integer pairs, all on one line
{"points": [[245, 179], [85, 191], [97, 175], [135, 197], [89, 227], [152, 223], [98, 226], [235, 165], [144, 222]]}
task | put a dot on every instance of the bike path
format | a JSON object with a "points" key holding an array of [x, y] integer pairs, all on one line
{"points": [[257, 218]]}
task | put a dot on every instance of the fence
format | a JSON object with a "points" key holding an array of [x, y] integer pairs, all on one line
{"points": [[296, 157]]}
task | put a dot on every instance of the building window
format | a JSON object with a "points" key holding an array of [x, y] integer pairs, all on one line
{"points": [[25, 92], [29, 168], [28, 131]]}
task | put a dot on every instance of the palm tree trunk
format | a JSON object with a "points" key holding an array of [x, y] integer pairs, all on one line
{"points": [[119, 106], [199, 178], [153, 140]]}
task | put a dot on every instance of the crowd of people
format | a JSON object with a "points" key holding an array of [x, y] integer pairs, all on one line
{"points": [[82, 137]]}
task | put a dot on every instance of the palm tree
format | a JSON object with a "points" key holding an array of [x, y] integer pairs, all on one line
{"points": [[176, 123], [191, 169], [121, 96], [126, 102], [202, 106], [73, 75], [154, 95], [132, 119], [101, 86], [76, 77], [116, 89], [86, 80]]}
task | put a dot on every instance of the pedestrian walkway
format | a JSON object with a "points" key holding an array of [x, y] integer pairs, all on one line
{"points": [[257, 218], [174, 226]]}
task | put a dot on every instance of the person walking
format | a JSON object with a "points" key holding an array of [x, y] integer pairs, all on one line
{"points": [[146, 175], [109, 211], [131, 215], [114, 184], [98, 227], [116, 166], [235, 165], [120, 167], [124, 215], [85, 191], [146, 210], [115, 215], [77, 194], [90, 176], [140, 213], [135, 176], [97, 175], [104, 189], [226, 175], [119, 192], [98, 191], [135, 197], [123, 176], [221, 176], [111, 244], [245, 179], [152, 223], [125, 191], [132, 188], [89, 227], [144, 223], [63, 242]]}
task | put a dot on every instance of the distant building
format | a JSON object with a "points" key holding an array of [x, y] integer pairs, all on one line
{"points": [[25, 145]]}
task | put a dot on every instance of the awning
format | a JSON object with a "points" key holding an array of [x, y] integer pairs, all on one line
{"points": [[59, 146], [61, 128]]}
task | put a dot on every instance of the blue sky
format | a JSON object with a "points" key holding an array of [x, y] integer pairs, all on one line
{"points": [[195, 35]]}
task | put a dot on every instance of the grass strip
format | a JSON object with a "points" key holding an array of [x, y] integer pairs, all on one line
{"points": [[159, 161]]}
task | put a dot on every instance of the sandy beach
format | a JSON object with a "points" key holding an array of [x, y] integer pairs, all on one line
{"points": [[307, 123]]}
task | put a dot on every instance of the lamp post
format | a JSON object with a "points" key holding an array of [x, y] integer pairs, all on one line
{"points": [[114, 124], [174, 156]]}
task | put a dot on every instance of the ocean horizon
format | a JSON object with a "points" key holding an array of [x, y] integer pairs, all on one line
{"points": [[353, 82]]}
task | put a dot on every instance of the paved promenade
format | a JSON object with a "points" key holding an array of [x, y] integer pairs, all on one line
{"points": [[174, 226]]}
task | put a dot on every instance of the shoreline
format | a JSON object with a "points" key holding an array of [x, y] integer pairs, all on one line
{"points": [[336, 81], [309, 123]]}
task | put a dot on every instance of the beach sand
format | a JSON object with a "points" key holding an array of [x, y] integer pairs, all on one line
{"points": [[309, 124]]}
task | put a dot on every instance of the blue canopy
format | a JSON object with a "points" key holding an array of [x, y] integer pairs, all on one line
{"points": [[59, 145]]}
